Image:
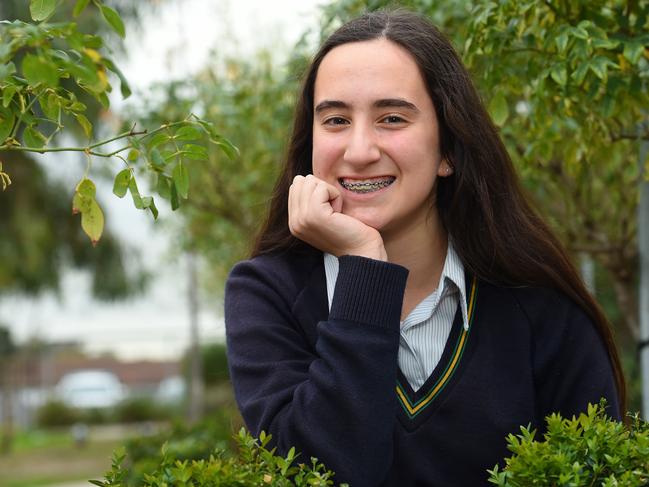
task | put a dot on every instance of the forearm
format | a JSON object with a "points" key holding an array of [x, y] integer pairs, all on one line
{"points": [[335, 402]]}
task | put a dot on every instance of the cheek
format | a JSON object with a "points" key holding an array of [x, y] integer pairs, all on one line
{"points": [[323, 156]]}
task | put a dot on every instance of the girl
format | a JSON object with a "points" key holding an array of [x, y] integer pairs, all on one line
{"points": [[405, 308]]}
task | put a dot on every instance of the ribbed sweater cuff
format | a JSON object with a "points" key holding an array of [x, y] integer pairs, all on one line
{"points": [[368, 291]]}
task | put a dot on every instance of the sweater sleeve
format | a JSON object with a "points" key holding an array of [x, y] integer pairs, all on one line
{"points": [[336, 402], [572, 366]]}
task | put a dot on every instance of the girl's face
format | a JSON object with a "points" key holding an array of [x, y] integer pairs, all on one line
{"points": [[375, 134]]}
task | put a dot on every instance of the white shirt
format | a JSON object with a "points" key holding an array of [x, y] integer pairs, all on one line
{"points": [[425, 330]]}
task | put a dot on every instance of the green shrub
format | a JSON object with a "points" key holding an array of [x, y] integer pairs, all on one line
{"points": [[254, 465], [56, 413], [95, 416], [181, 442], [591, 450], [214, 364], [139, 409]]}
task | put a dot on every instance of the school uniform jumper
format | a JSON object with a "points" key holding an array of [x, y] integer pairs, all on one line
{"points": [[328, 382]]}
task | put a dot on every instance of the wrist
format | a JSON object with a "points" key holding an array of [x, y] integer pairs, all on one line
{"points": [[374, 250]]}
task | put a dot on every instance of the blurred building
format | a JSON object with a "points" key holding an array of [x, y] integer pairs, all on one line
{"points": [[63, 372]]}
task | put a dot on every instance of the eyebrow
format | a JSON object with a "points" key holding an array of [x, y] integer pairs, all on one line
{"points": [[383, 103]]}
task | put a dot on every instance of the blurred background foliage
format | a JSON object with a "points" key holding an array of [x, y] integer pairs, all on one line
{"points": [[250, 101]]}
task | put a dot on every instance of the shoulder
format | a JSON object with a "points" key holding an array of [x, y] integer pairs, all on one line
{"points": [[545, 307], [557, 323], [548, 317]]}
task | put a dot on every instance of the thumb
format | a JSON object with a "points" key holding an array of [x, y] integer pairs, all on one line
{"points": [[337, 203]]}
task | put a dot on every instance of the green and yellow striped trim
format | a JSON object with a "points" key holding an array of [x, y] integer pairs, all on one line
{"points": [[413, 410]]}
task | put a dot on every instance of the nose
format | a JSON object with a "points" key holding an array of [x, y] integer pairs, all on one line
{"points": [[362, 145]]}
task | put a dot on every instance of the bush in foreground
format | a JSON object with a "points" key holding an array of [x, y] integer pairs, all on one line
{"points": [[591, 450], [254, 465], [181, 442]]}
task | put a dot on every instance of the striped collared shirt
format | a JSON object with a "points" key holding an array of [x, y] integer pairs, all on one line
{"points": [[425, 330]]}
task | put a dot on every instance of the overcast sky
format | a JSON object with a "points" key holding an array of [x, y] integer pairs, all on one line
{"points": [[176, 41]]}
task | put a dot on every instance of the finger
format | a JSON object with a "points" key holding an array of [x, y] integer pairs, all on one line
{"points": [[294, 200], [306, 193], [327, 196], [335, 198]]}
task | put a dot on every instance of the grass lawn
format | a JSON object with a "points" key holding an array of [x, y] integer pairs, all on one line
{"points": [[48, 457]]}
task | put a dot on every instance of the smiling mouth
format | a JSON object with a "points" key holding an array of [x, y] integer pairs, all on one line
{"points": [[366, 185]]}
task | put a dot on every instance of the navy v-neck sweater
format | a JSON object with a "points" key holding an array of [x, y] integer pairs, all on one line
{"points": [[328, 382]]}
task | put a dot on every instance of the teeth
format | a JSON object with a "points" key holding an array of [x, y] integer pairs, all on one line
{"points": [[366, 186]]}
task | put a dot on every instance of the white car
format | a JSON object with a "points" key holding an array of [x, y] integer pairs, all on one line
{"points": [[89, 388]]}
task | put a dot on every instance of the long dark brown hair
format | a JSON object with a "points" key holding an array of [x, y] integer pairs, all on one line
{"points": [[499, 237]]}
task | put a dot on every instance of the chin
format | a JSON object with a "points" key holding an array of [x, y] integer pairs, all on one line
{"points": [[369, 218]]}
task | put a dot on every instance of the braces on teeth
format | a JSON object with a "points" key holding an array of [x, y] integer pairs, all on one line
{"points": [[366, 187]]}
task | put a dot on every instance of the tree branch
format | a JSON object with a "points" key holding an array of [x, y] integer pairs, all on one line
{"points": [[88, 149], [621, 136]]}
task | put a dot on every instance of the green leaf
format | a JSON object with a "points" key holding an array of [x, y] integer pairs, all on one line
{"points": [[187, 133], [41, 9], [607, 105], [93, 42], [85, 124], [156, 159], [8, 94], [148, 203], [633, 51], [124, 86], [180, 176], [559, 74], [561, 41], [580, 73], [84, 73], [51, 106], [133, 154], [92, 221], [113, 19], [78, 202], [80, 7], [5, 52], [92, 218], [164, 186], [499, 109], [7, 70], [230, 150], [7, 120], [121, 184], [157, 139], [175, 202], [194, 152], [135, 194], [599, 66], [605, 44], [103, 99], [37, 70], [86, 188], [33, 138], [579, 32]]}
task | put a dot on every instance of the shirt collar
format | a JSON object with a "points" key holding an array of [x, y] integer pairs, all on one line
{"points": [[453, 270]]}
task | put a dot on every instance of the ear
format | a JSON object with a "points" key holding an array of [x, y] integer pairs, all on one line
{"points": [[444, 169]]}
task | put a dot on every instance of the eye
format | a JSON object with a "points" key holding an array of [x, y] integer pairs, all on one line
{"points": [[335, 121], [393, 119]]}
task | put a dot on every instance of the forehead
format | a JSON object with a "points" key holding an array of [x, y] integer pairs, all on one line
{"points": [[368, 69]]}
